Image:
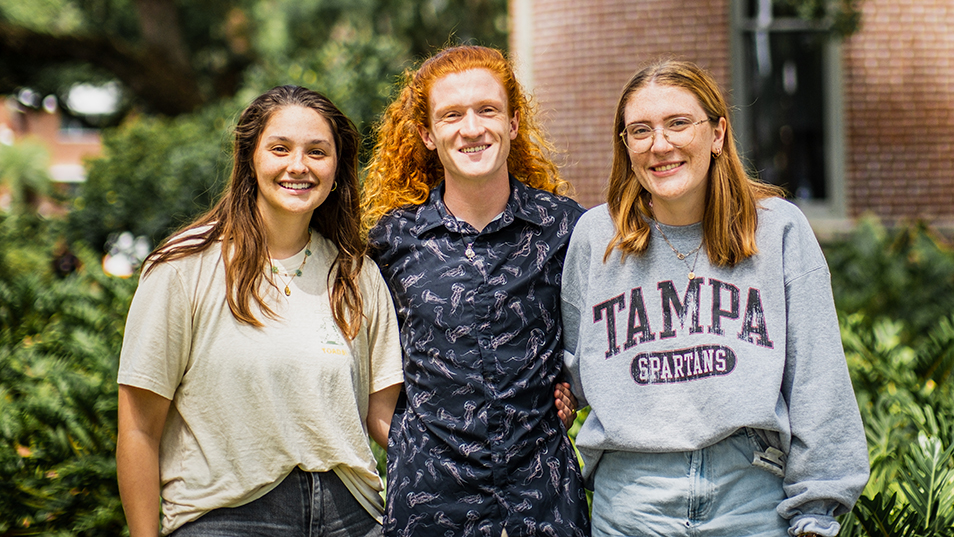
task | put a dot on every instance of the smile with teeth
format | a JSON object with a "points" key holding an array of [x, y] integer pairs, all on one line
{"points": [[474, 149], [297, 186], [666, 167]]}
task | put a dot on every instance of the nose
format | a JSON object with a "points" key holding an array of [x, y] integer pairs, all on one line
{"points": [[471, 127], [661, 143], [296, 166]]}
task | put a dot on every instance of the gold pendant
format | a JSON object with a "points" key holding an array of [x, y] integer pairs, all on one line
{"points": [[692, 276], [287, 291]]}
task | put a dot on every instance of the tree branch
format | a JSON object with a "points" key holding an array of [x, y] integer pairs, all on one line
{"points": [[166, 86]]}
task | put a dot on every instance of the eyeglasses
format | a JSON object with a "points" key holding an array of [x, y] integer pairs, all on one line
{"points": [[679, 132]]}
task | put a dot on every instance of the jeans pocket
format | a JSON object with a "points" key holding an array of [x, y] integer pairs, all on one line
{"points": [[764, 456]]}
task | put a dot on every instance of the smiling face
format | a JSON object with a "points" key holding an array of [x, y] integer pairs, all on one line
{"points": [[676, 177], [294, 163], [470, 127]]}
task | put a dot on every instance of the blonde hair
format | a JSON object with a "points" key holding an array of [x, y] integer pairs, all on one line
{"points": [[730, 214], [403, 171]]}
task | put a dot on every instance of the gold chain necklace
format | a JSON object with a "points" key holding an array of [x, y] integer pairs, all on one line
{"points": [[277, 272], [682, 256]]}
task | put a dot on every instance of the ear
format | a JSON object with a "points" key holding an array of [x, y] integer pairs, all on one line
{"points": [[426, 137], [514, 124], [719, 133]]}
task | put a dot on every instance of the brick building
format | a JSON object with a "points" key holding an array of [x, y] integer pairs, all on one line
{"points": [[854, 126], [68, 144]]}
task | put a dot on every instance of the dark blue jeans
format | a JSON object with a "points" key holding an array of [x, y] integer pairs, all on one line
{"points": [[305, 504]]}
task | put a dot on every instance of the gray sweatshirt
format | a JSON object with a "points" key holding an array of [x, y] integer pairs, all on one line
{"points": [[668, 364]]}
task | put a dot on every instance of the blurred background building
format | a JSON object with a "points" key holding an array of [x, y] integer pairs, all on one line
{"points": [[66, 138], [41, 154], [851, 118]]}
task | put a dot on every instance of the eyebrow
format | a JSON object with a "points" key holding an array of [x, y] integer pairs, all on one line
{"points": [[279, 138], [479, 104], [667, 118]]}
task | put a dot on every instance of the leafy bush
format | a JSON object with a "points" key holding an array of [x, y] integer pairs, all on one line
{"points": [[894, 290], [59, 347], [154, 176], [23, 169], [905, 274]]}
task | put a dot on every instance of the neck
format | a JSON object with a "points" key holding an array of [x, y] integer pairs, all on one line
{"points": [[676, 214], [287, 238], [477, 204]]}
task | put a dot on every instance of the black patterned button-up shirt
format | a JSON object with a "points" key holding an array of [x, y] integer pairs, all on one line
{"points": [[476, 444]]}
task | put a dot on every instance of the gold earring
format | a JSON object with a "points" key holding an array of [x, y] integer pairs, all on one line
{"points": [[716, 154], [334, 186]]}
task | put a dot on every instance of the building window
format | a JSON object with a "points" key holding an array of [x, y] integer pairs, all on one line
{"points": [[786, 92]]}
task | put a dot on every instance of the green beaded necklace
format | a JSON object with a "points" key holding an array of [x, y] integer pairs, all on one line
{"points": [[277, 272]]}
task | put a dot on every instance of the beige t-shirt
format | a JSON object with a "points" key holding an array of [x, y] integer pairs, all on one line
{"points": [[250, 404]]}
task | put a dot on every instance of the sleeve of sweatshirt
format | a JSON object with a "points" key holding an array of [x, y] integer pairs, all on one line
{"points": [[571, 298], [827, 466]]}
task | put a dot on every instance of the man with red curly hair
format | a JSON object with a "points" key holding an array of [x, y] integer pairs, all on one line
{"points": [[469, 226]]}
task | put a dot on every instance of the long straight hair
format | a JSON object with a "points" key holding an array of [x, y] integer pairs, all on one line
{"points": [[402, 170], [236, 223], [730, 215]]}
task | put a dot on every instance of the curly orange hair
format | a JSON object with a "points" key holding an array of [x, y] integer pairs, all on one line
{"points": [[402, 170]]}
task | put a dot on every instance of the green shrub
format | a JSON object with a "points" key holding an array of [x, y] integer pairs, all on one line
{"points": [[906, 274], [155, 175], [59, 347], [894, 290]]}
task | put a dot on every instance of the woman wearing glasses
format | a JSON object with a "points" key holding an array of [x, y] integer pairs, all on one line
{"points": [[700, 329]]}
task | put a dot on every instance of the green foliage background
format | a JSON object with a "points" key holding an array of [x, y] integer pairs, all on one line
{"points": [[155, 176], [59, 348], [894, 295], [60, 337]]}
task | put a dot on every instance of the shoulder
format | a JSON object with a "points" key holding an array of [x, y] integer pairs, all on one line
{"points": [[551, 202], [376, 296], [778, 208], [554, 215], [784, 230], [780, 216], [591, 235], [325, 252], [188, 261], [370, 277], [596, 223], [598, 214], [187, 237], [400, 221], [388, 230]]}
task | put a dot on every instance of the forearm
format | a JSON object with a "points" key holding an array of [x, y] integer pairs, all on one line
{"points": [[137, 465], [380, 411], [142, 415]]}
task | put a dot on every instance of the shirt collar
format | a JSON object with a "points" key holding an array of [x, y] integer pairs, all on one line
{"points": [[520, 205]]}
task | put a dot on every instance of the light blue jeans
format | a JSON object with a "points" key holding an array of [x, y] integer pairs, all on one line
{"points": [[305, 504], [711, 492]]}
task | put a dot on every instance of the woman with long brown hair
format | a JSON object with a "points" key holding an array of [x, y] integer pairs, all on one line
{"points": [[701, 330], [247, 327]]}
